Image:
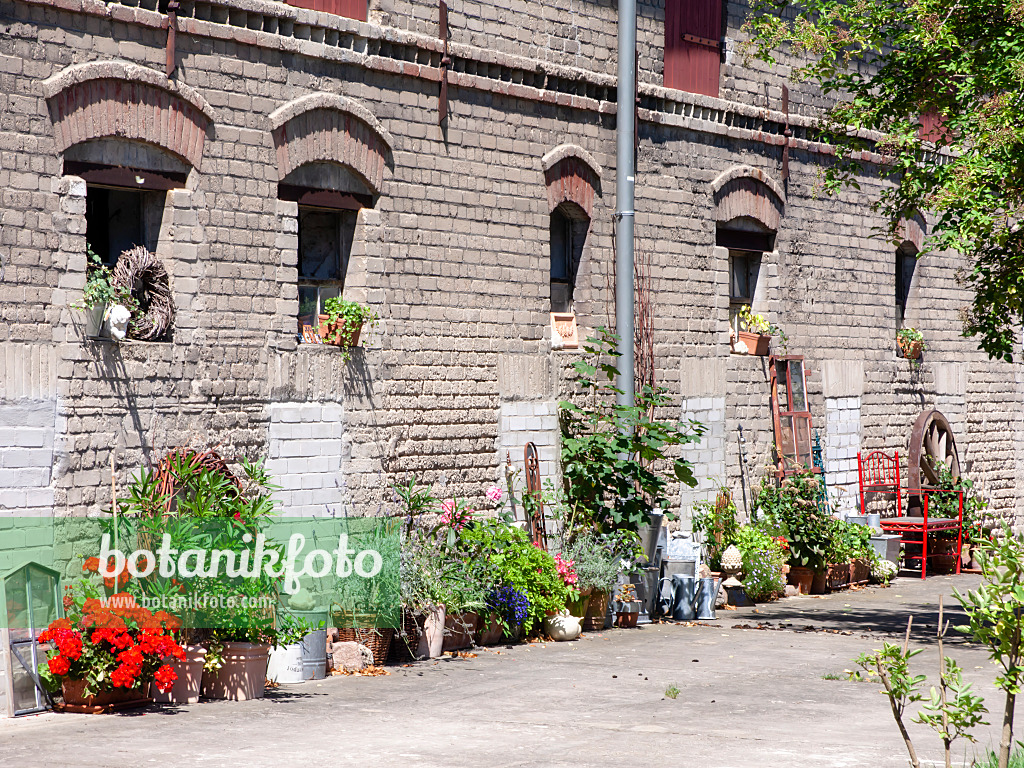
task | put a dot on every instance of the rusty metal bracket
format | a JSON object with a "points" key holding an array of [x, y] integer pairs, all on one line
{"points": [[172, 35], [446, 61], [535, 508]]}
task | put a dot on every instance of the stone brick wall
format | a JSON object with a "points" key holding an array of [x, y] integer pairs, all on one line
{"points": [[306, 448], [453, 255]]}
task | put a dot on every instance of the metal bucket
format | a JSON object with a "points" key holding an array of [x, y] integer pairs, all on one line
{"points": [[314, 655], [676, 597], [707, 595], [285, 665]]}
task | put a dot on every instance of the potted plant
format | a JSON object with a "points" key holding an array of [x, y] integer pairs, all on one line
{"points": [[597, 561], [757, 332], [910, 342], [99, 295], [105, 654], [344, 322], [790, 510], [627, 607]]}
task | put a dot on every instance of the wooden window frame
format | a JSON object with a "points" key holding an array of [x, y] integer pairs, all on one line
{"points": [[801, 416]]}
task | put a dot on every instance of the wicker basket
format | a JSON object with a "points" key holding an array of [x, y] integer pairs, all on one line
{"points": [[377, 639]]}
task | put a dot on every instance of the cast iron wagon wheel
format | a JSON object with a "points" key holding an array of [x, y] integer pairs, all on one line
{"points": [[931, 443]]}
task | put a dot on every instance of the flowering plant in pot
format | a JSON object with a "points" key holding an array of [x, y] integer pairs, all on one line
{"points": [[106, 652], [627, 606], [910, 342], [790, 510], [100, 293], [757, 332], [344, 322]]}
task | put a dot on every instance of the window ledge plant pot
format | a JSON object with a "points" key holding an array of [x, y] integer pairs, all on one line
{"points": [[339, 334], [757, 343], [910, 349]]}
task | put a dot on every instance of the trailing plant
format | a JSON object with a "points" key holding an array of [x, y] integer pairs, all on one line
{"points": [[612, 454], [910, 335], [343, 318]]}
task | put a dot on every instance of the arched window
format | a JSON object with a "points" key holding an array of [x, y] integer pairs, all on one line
{"points": [[747, 240], [906, 261], [569, 227]]}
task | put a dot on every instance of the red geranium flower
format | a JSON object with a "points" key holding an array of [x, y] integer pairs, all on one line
{"points": [[59, 665]]}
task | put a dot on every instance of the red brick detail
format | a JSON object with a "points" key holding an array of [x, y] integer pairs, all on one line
{"points": [[333, 136], [96, 109], [745, 196], [571, 180]]}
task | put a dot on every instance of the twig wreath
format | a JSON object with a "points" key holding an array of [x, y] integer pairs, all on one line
{"points": [[140, 272]]}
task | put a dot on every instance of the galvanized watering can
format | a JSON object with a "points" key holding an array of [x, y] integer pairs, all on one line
{"points": [[685, 598]]}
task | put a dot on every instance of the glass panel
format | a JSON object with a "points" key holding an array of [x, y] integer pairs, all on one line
{"points": [[16, 587], [25, 691], [319, 244], [561, 246], [796, 378], [780, 373], [44, 606], [307, 304], [802, 425], [786, 441], [743, 275]]}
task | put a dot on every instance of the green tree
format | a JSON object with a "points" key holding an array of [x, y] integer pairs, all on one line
{"points": [[887, 65]]}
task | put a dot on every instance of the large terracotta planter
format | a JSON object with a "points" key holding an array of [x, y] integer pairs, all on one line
{"points": [[188, 686], [459, 630], [801, 578], [860, 571], [490, 632], [431, 640], [242, 676], [73, 693], [837, 576], [820, 583], [597, 610]]}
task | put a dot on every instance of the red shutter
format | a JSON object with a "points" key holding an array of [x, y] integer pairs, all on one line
{"points": [[693, 44], [932, 127], [350, 9]]}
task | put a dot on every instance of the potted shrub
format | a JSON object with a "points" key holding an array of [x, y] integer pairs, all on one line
{"points": [[790, 510], [105, 654], [344, 322], [597, 560], [910, 342], [757, 332]]}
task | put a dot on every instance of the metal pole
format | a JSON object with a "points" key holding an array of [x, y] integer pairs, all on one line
{"points": [[624, 187]]}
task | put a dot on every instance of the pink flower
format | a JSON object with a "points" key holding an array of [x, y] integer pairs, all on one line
{"points": [[567, 570], [448, 507], [494, 494]]}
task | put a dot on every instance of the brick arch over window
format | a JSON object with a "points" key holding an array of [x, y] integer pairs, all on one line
{"points": [[912, 231], [571, 175], [328, 127], [124, 100], [743, 191]]}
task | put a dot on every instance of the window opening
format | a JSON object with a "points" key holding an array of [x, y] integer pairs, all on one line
{"points": [[568, 235], [906, 261], [744, 267], [325, 246], [117, 220]]}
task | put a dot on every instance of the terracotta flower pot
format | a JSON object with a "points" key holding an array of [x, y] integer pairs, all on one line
{"points": [[757, 343], [626, 620], [579, 606], [597, 610], [188, 686], [490, 632], [243, 674], [910, 349], [337, 334], [801, 578], [820, 583], [431, 641], [860, 571], [459, 630], [837, 576], [73, 693]]}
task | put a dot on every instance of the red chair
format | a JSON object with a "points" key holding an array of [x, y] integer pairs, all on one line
{"points": [[916, 530], [878, 473]]}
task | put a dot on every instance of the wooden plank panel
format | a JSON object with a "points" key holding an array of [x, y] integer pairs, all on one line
{"points": [[688, 65], [350, 9]]}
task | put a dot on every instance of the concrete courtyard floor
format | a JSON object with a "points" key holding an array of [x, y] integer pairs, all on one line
{"points": [[751, 693]]}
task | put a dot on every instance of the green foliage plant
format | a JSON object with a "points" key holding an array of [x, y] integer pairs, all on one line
{"points": [[885, 66], [790, 510], [613, 455], [763, 558], [716, 522], [99, 291], [994, 612]]}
